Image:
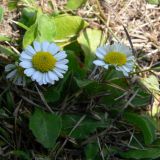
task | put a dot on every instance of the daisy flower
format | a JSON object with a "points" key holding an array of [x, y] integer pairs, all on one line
{"points": [[44, 62], [117, 55], [15, 74]]}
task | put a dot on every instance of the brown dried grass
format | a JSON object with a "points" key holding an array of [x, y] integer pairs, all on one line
{"points": [[142, 21]]}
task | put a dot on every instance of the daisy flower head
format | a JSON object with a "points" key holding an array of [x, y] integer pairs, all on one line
{"points": [[44, 62], [117, 55], [15, 74]]}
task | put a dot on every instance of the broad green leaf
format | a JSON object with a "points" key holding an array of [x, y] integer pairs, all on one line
{"points": [[21, 154], [46, 29], [68, 26], [153, 1], [46, 127], [78, 70], [75, 4], [28, 17], [42, 30], [30, 35], [144, 123], [142, 99], [83, 83], [112, 74], [91, 151], [151, 83], [148, 153], [89, 40], [52, 95], [1, 13], [86, 127]]}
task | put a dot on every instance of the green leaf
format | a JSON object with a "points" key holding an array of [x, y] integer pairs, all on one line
{"points": [[21, 25], [46, 29], [148, 153], [21, 154], [28, 16], [46, 127], [91, 151], [86, 127], [30, 35], [4, 38], [12, 4], [68, 26], [78, 71], [1, 13], [52, 95], [153, 1], [151, 83], [142, 99], [73, 4], [42, 30], [89, 40], [7, 51], [144, 123], [83, 83]]}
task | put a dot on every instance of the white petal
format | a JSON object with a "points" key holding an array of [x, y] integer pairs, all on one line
{"points": [[129, 65], [64, 61], [53, 82], [126, 69], [59, 70], [25, 56], [37, 46], [53, 48], [106, 66], [30, 50], [40, 80], [11, 74], [62, 66], [53, 76], [44, 78], [40, 77], [23, 59], [26, 64], [123, 70], [29, 72], [101, 50], [130, 58], [99, 62], [60, 55], [36, 76], [9, 67], [47, 78], [45, 46], [60, 75], [125, 73], [100, 55]]}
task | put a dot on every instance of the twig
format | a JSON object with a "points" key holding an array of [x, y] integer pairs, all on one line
{"points": [[43, 100], [66, 140]]}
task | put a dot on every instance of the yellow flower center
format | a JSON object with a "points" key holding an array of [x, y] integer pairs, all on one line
{"points": [[115, 58], [43, 61]]}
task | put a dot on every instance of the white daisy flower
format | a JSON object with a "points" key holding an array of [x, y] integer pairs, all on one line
{"points": [[15, 74], [44, 62], [117, 55]]}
